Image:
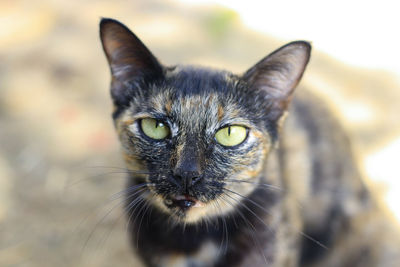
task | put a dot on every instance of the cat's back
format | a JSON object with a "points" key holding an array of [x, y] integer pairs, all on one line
{"points": [[334, 207]]}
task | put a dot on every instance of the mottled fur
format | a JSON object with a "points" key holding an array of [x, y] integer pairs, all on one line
{"points": [[288, 196]]}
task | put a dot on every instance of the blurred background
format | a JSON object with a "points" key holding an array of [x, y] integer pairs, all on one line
{"points": [[59, 156]]}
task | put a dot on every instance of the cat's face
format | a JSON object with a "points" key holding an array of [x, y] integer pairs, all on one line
{"points": [[202, 136], [192, 158]]}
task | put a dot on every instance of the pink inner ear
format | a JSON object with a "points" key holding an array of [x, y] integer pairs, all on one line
{"points": [[113, 35], [127, 55], [279, 73]]}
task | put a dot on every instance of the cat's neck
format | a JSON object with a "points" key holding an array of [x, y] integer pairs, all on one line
{"points": [[153, 229]]}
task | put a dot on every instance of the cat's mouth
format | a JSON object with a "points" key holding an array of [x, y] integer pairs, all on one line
{"points": [[184, 202]]}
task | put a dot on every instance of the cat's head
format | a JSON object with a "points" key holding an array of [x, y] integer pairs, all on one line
{"points": [[201, 135]]}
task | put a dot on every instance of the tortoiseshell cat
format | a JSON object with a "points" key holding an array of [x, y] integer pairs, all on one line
{"points": [[209, 184]]}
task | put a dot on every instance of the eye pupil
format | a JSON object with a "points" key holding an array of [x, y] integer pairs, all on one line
{"points": [[231, 135], [154, 129]]}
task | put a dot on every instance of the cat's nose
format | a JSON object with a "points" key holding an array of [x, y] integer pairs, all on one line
{"points": [[188, 168], [187, 173]]}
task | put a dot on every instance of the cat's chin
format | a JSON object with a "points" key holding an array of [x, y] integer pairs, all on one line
{"points": [[193, 214]]}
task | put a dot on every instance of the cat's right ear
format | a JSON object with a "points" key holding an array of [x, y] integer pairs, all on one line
{"points": [[278, 74], [129, 59]]}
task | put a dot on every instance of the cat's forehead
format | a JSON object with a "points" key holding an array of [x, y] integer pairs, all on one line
{"points": [[195, 97], [190, 80]]}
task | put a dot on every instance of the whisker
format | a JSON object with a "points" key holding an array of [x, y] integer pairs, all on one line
{"points": [[127, 170], [131, 208], [227, 232], [268, 212], [314, 240], [116, 221], [205, 220], [74, 183], [269, 186], [224, 227], [249, 199], [266, 186], [229, 215], [251, 211], [184, 227], [217, 207], [255, 241], [108, 201], [147, 205], [102, 219], [172, 222], [130, 189]]}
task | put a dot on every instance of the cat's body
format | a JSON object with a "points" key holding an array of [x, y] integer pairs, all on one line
{"points": [[277, 197]]}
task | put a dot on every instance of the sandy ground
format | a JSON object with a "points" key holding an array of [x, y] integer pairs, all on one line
{"points": [[57, 142]]}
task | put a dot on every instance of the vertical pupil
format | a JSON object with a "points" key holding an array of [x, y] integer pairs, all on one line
{"points": [[229, 130]]}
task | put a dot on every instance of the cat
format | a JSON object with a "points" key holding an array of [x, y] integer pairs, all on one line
{"points": [[236, 170]]}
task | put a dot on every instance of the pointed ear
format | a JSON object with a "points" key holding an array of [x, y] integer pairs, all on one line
{"points": [[128, 57], [278, 74]]}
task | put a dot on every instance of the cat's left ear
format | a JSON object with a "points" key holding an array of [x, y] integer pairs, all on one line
{"points": [[131, 62], [128, 57], [278, 74]]}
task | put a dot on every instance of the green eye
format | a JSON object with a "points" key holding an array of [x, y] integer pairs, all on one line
{"points": [[231, 135], [154, 128]]}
